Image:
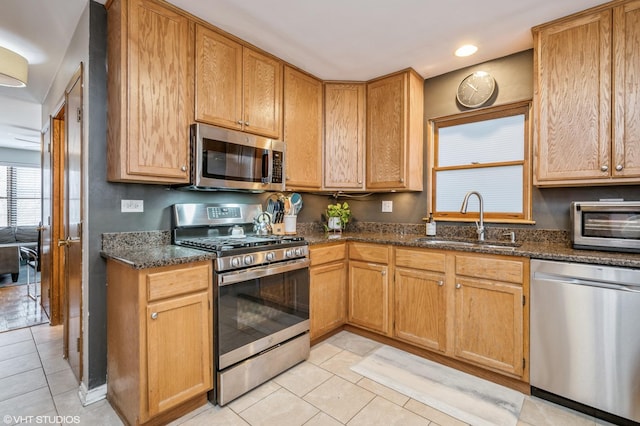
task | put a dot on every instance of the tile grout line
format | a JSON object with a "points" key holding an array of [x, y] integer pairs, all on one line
{"points": [[53, 401]]}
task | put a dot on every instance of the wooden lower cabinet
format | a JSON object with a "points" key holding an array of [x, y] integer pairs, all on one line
{"points": [[369, 287], [328, 293], [490, 312], [159, 336]]}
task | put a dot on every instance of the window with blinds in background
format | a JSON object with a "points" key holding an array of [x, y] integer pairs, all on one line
{"points": [[19, 196]]}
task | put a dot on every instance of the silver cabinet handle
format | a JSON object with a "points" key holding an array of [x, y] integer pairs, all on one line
{"points": [[604, 168], [383, 272], [154, 315], [183, 168], [619, 167], [240, 122], [246, 123], [441, 283], [458, 285]]}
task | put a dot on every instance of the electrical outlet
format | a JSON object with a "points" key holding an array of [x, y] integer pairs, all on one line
{"points": [[131, 206], [387, 206]]}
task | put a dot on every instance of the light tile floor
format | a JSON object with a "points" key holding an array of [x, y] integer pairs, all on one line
{"points": [[36, 381]]}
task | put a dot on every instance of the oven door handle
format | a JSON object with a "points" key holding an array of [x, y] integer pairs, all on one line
{"points": [[233, 277]]}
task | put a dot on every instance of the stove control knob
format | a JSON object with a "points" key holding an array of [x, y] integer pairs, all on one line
{"points": [[271, 256], [248, 259], [289, 253], [298, 252], [235, 262]]}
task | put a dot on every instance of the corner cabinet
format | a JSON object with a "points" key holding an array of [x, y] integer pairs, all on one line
{"points": [[236, 87], [159, 337], [328, 288], [150, 92], [302, 117], [344, 138], [395, 123], [586, 92]]}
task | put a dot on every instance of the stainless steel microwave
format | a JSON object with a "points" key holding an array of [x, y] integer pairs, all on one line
{"points": [[223, 159], [606, 225]]}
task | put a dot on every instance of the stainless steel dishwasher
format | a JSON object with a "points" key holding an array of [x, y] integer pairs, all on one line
{"points": [[585, 338]]}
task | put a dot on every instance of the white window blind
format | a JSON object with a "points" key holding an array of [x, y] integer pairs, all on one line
{"points": [[20, 189]]}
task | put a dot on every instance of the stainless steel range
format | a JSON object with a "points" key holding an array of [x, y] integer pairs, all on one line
{"points": [[261, 291]]}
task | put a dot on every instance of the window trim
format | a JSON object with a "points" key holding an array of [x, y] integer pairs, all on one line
{"points": [[489, 113]]}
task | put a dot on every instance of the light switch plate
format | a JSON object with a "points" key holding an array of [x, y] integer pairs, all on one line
{"points": [[387, 206], [131, 206]]}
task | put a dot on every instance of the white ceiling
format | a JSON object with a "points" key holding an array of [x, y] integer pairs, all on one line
{"points": [[332, 39]]}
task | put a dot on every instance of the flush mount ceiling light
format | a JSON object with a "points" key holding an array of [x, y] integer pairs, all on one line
{"points": [[466, 50], [13, 69]]}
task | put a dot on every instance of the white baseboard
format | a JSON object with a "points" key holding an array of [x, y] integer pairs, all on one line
{"points": [[89, 396]]}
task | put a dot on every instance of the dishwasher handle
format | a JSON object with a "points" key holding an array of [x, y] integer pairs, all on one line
{"points": [[579, 281]]}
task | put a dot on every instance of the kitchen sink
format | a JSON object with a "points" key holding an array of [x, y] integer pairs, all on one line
{"points": [[488, 245]]}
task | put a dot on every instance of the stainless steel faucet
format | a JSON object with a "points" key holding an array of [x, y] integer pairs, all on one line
{"points": [[463, 210]]}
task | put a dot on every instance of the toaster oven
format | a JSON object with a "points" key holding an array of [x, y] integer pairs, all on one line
{"points": [[606, 225]]}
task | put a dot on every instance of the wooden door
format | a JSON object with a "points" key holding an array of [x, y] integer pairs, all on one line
{"points": [[328, 297], [73, 220], [626, 94], [159, 95], [218, 94], [178, 351], [262, 94], [46, 167], [489, 324], [302, 117], [344, 115], [573, 102], [386, 126], [420, 308], [369, 295]]}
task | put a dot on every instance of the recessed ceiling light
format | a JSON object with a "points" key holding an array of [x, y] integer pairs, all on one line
{"points": [[466, 50]]}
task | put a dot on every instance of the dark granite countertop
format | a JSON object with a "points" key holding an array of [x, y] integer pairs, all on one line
{"points": [[155, 256], [153, 248], [559, 251]]}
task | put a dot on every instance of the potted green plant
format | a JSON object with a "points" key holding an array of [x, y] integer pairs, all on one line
{"points": [[338, 216]]}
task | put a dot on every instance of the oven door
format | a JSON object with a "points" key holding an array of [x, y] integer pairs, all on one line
{"points": [[259, 308]]}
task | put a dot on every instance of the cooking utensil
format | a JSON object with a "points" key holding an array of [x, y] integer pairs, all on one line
{"points": [[296, 203]]}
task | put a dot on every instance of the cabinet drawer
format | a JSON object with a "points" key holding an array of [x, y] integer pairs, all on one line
{"points": [[369, 252], [420, 259], [490, 268], [173, 281], [328, 253]]}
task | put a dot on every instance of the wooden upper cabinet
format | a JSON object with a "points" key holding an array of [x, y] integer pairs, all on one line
{"points": [[236, 87], [578, 60], [626, 95], [150, 92], [395, 124], [302, 117], [344, 115]]}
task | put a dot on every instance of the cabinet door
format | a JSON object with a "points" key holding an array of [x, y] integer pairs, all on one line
{"points": [[573, 100], [328, 297], [369, 296], [179, 358], [262, 92], [489, 324], [302, 118], [626, 101], [158, 93], [386, 119], [344, 115], [420, 308], [218, 79]]}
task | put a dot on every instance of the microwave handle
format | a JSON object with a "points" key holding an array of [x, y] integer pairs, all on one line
{"points": [[266, 169]]}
